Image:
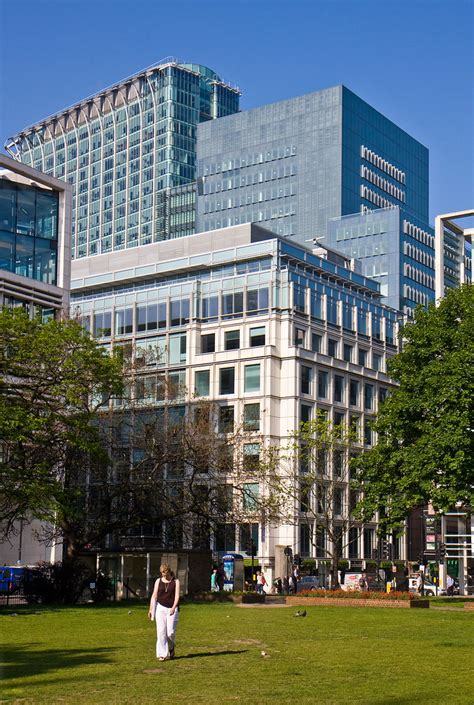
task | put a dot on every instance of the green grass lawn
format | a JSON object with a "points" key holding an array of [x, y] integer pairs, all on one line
{"points": [[334, 656]]}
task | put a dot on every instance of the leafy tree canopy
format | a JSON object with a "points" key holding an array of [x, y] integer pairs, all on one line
{"points": [[425, 448], [53, 379]]}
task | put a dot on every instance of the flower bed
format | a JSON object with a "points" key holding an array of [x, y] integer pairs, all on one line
{"points": [[356, 598]]}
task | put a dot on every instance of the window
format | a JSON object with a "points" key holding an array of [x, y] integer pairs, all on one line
{"points": [[353, 392], [257, 336], [383, 394], [305, 380], [227, 380], [257, 300], [179, 312], [320, 542], [367, 433], [226, 419], [147, 317], [338, 463], [232, 304], [369, 543], [377, 362], [177, 349], [208, 343], [338, 505], [251, 456], [323, 383], [362, 357], [150, 351], [353, 542], [339, 420], [225, 537], [250, 496], [124, 321], [232, 340], [299, 337], [176, 384], [103, 324], [368, 396], [316, 342], [338, 388], [306, 413], [304, 539], [252, 417], [348, 353], [252, 378], [202, 383], [332, 347]]}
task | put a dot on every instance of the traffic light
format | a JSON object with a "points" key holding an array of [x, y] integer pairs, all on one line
{"points": [[385, 549]]}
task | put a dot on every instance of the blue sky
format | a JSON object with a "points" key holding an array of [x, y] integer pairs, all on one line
{"points": [[413, 61]]}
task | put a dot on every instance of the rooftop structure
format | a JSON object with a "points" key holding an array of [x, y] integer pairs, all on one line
{"points": [[125, 150]]}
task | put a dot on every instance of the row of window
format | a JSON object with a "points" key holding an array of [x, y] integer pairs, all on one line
{"points": [[382, 164], [227, 380], [228, 164], [246, 199], [249, 178], [382, 184], [376, 198], [320, 383], [176, 312], [418, 233], [232, 339], [336, 348]]}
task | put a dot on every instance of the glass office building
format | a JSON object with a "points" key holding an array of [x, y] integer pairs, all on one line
{"points": [[35, 226], [293, 165], [124, 148], [268, 331], [393, 247]]}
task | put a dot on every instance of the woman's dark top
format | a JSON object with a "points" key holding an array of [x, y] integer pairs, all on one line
{"points": [[166, 593]]}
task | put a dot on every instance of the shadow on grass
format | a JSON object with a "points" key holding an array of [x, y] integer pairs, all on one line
{"points": [[211, 653], [25, 661]]}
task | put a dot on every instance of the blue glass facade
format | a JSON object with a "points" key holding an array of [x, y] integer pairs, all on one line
{"points": [[394, 248], [293, 165], [123, 149], [28, 231]]}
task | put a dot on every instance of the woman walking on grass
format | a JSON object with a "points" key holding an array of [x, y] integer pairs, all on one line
{"points": [[164, 610]]}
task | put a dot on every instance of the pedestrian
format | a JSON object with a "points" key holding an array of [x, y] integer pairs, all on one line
{"points": [[279, 586], [164, 610], [220, 576], [419, 583], [285, 585], [214, 585], [449, 586], [261, 582], [363, 583]]}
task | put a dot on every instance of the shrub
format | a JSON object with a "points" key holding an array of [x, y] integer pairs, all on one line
{"points": [[57, 583]]}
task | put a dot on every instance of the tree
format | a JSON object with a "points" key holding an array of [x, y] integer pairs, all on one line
{"points": [[425, 449], [317, 486], [53, 380]]}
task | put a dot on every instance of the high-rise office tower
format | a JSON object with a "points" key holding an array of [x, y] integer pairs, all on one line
{"points": [[293, 165], [130, 151]]}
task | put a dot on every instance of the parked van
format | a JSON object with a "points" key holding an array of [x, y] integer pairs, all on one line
{"points": [[11, 578], [351, 581]]}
